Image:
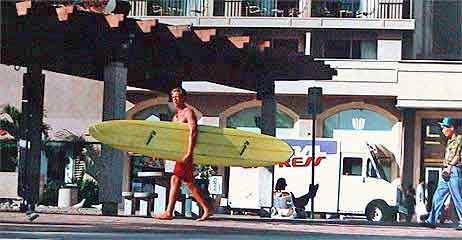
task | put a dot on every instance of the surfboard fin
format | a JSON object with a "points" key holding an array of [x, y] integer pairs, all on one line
{"points": [[151, 136], [244, 147]]}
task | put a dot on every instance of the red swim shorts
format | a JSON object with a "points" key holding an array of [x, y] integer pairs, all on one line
{"points": [[184, 171]]}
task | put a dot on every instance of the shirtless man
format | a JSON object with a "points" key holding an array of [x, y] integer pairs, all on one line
{"points": [[184, 170]]}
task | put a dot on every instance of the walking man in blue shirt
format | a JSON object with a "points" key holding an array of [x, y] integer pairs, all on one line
{"points": [[449, 182]]}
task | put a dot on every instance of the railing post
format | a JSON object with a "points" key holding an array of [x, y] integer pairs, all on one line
{"points": [[411, 9]]}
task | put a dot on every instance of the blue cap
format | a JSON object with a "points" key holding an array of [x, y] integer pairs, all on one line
{"points": [[447, 122]]}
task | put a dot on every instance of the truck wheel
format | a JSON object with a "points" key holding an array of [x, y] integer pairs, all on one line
{"points": [[377, 212]]}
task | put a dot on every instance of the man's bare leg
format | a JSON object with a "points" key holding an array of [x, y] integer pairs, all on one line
{"points": [[174, 189], [196, 193]]}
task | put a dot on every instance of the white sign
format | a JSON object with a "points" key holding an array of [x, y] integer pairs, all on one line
{"points": [[216, 185], [169, 166]]}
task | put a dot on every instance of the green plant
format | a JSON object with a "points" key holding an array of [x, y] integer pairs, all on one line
{"points": [[88, 189], [50, 193], [13, 127], [92, 153], [205, 171], [72, 146], [11, 122]]}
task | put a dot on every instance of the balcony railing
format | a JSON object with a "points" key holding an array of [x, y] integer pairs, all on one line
{"points": [[387, 9], [257, 8], [383, 9], [168, 8]]}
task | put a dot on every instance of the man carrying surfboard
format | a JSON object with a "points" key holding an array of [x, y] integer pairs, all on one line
{"points": [[183, 170]]}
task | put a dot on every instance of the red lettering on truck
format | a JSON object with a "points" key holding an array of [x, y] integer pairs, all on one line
{"points": [[300, 162]]}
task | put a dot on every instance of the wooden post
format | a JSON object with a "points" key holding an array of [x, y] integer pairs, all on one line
{"points": [[30, 143], [408, 116], [110, 182]]}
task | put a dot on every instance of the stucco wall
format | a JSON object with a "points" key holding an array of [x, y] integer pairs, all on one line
{"points": [[9, 179], [70, 102]]}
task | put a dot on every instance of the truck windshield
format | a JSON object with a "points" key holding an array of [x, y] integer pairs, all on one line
{"points": [[381, 171], [382, 156]]}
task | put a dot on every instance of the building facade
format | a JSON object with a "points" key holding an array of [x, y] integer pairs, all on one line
{"points": [[399, 73], [397, 62]]}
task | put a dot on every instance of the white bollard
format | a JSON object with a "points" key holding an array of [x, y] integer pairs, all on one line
{"points": [[145, 203], [129, 208]]}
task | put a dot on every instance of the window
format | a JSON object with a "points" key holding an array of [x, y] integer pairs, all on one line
{"points": [[351, 49], [251, 117], [371, 172], [352, 166], [342, 49], [287, 44], [446, 30], [356, 119]]}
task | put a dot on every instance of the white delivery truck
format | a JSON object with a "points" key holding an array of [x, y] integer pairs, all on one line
{"points": [[351, 180]]}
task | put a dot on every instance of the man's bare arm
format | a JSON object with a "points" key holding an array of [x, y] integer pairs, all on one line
{"points": [[192, 124]]}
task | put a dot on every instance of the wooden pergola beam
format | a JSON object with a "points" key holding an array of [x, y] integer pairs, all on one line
{"points": [[82, 42]]}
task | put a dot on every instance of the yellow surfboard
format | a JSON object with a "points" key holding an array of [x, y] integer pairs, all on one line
{"points": [[215, 146]]}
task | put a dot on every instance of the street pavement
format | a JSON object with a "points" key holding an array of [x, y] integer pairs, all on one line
{"points": [[14, 225]]}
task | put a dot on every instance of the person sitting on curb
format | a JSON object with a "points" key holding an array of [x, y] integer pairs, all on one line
{"points": [[286, 205]]}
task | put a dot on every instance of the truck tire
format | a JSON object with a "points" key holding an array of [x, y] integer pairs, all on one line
{"points": [[378, 211]]}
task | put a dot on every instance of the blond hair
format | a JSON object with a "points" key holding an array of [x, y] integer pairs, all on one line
{"points": [[180, 90]]}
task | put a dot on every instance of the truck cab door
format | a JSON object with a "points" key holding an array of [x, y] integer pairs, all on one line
{"points": [[352, 184]]}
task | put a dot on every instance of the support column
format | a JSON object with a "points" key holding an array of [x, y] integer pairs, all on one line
{"points": [[111, 175], [408, 116], [268, 108], [427, 29], [265, 93], [30, 144]]}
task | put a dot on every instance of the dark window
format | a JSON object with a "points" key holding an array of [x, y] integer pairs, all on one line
{"points": [[447, 34], [352, 166], [288, 44], [349, 49]]}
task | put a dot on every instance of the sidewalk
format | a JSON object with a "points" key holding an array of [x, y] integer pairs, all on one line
{"points": [[10, 221], [245, 218]]}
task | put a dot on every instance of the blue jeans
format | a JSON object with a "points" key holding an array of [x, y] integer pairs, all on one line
{"points": [[444, 189]]}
